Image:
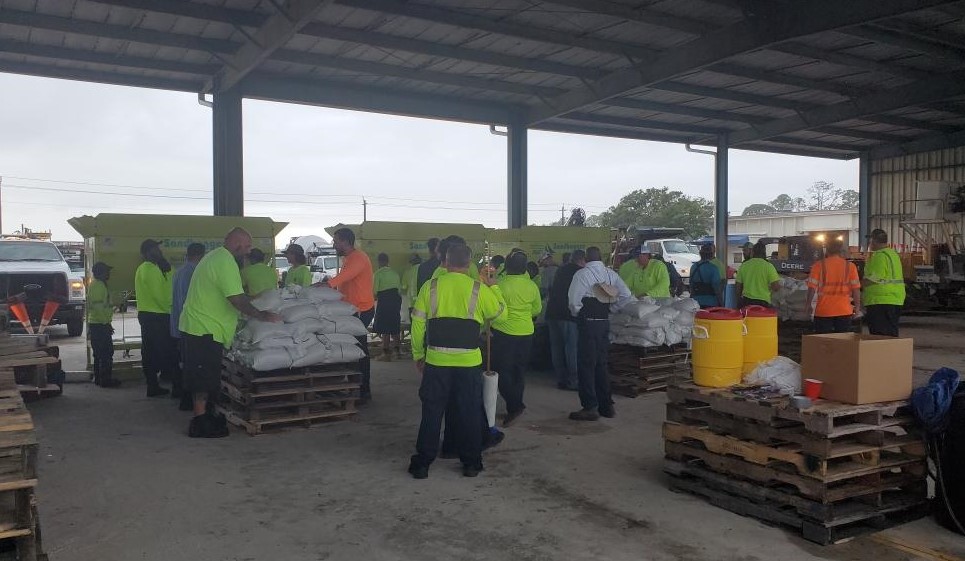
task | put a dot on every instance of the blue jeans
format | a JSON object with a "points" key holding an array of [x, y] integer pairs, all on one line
{"points": [[564, 339]]}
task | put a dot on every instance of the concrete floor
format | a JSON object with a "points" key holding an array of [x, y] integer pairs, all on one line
{"points": [[119, 480]]}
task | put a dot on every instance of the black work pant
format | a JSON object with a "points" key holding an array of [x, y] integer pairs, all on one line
{"points": [[102, 347], [159, 353], [365, 364], [836, 324], [745, 302], [510, 359], [883, 319], [463, 386], [592, 350]]}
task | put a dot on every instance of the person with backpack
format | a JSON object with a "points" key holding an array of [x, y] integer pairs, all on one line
{"points": [[705, 285], [595, 292]]}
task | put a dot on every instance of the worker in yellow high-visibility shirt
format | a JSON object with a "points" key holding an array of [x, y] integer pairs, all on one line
{"points": [[258, 276], [443, 247], [100, 315], [446, 319], [884, 286], [630, 267], [651, 278], [153, 287]]}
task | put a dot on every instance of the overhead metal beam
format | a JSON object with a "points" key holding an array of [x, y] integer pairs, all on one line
{"points": [[927, 34], [96, 57], [196, 10], [411, 73], [687, 110], [642, 123], [787, 151], [274, 34], [330, 93], [642, 15], [119, 32], [836, 146], [590, 130], [913, 43], [924, 144], [98, 76], [845, 59], [791, 105], [749, 34], [508, 28], [432, 48], [879, 102]]}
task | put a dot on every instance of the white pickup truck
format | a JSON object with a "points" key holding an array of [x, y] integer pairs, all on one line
{"points": [[677, 253], [37, 270]]}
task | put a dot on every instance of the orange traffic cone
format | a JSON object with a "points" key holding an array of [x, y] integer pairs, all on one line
{"points": [[50, 308], [19, 309]]}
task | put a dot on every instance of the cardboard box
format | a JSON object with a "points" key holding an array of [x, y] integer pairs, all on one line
{"points": [[858, 368]]}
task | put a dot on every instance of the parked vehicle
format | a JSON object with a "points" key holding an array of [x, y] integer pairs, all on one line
{"points": [[37, 271], [325, 267]]}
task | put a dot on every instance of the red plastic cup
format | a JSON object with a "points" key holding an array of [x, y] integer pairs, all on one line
{"points": [[812, 388]]}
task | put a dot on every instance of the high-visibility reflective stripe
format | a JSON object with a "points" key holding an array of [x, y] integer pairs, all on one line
{"points": [[838, 288], [433, 298], [418, 313], [473, 300], [450, 350]]}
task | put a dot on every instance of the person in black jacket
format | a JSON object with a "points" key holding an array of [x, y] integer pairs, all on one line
{"points": [[429, 266], [562, 324]]}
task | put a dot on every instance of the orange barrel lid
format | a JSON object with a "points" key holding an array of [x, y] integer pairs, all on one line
{"points": [[719, 314], [759, 312]]}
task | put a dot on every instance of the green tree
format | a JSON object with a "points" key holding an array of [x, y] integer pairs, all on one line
{"points": [[849, 200], [787, 203], [659, 208], [758, 210], [823, 195]]}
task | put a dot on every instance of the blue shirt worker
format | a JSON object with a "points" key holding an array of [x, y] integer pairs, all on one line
{"points": [[446, 319], [595, 292], [705, 285], [180, 285]]}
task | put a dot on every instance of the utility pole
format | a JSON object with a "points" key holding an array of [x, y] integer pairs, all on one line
{"points": [[562, 216], [365, 207]]}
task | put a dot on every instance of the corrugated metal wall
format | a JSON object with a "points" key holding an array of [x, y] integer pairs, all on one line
{"points": [[893, 181]]}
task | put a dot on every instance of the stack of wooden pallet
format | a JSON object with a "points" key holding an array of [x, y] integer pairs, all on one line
{"points": [[257, 401], [636, 370], [19, 522], [29, 358], [832, 471]]}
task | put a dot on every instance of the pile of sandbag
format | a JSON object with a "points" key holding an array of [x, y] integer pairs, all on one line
{"points": [[318, 328], [649, 322], [791, 301]]}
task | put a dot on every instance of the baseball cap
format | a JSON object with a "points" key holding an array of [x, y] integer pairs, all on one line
{"points": [[415, 259], [100, 267], [147, 245], [747, 245]]}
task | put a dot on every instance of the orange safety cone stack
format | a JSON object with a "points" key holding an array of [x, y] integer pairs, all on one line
{"points": [[50, 308], [19, 309]]}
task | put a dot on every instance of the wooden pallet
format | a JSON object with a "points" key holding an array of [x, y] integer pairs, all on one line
{"points": [[847, 521], [846, 463], [828, 418], [635, 370], [255, 427], [857, 482], [817, 445], [19, 521]]}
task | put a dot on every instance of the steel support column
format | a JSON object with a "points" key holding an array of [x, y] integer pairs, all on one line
{"points": [[864, 199], [229, 192], [720, 198], [516, 167]]}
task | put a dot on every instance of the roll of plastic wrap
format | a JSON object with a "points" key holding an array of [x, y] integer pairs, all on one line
{"points": [[490, 394]]}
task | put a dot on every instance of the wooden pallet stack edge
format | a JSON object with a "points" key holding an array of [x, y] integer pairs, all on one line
{"points": [[832, 472], [636, 370], [261, 401], [27, 358]]}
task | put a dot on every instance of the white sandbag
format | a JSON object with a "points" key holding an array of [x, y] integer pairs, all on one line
{"points": [[687, 305], [267, 300], [349, 325], [334, 308], [652, 321], [490, 394], [672, 336], [781, 372], [646, 300], [333, 339], [315, 354], [684, 320], [345, 353], [639, 309], [317, 294], [269, 359], [668, 312], [664, 302], [304, 311]]}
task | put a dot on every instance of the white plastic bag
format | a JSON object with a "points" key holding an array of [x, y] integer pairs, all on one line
{"points": [[780, 372], [334, 308], [317, 294], [639, 309]]}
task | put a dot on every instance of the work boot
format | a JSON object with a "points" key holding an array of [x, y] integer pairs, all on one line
{"points": [[584, 415], [417, 470], [471, 470], [106, 377], [157, 391], [203, 426], [493, 439], [609, 412]]}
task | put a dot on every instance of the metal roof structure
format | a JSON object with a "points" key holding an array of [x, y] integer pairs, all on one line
{"points": [[826, 78]]}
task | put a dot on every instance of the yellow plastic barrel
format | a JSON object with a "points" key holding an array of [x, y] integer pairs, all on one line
{"points": [[760, 344], [718, 347]]}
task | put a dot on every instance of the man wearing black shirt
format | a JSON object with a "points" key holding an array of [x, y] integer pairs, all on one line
{"points": [[429, 266], [562, 324]]}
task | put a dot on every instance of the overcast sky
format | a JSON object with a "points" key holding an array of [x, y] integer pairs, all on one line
{"points": [[311, 166]]}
